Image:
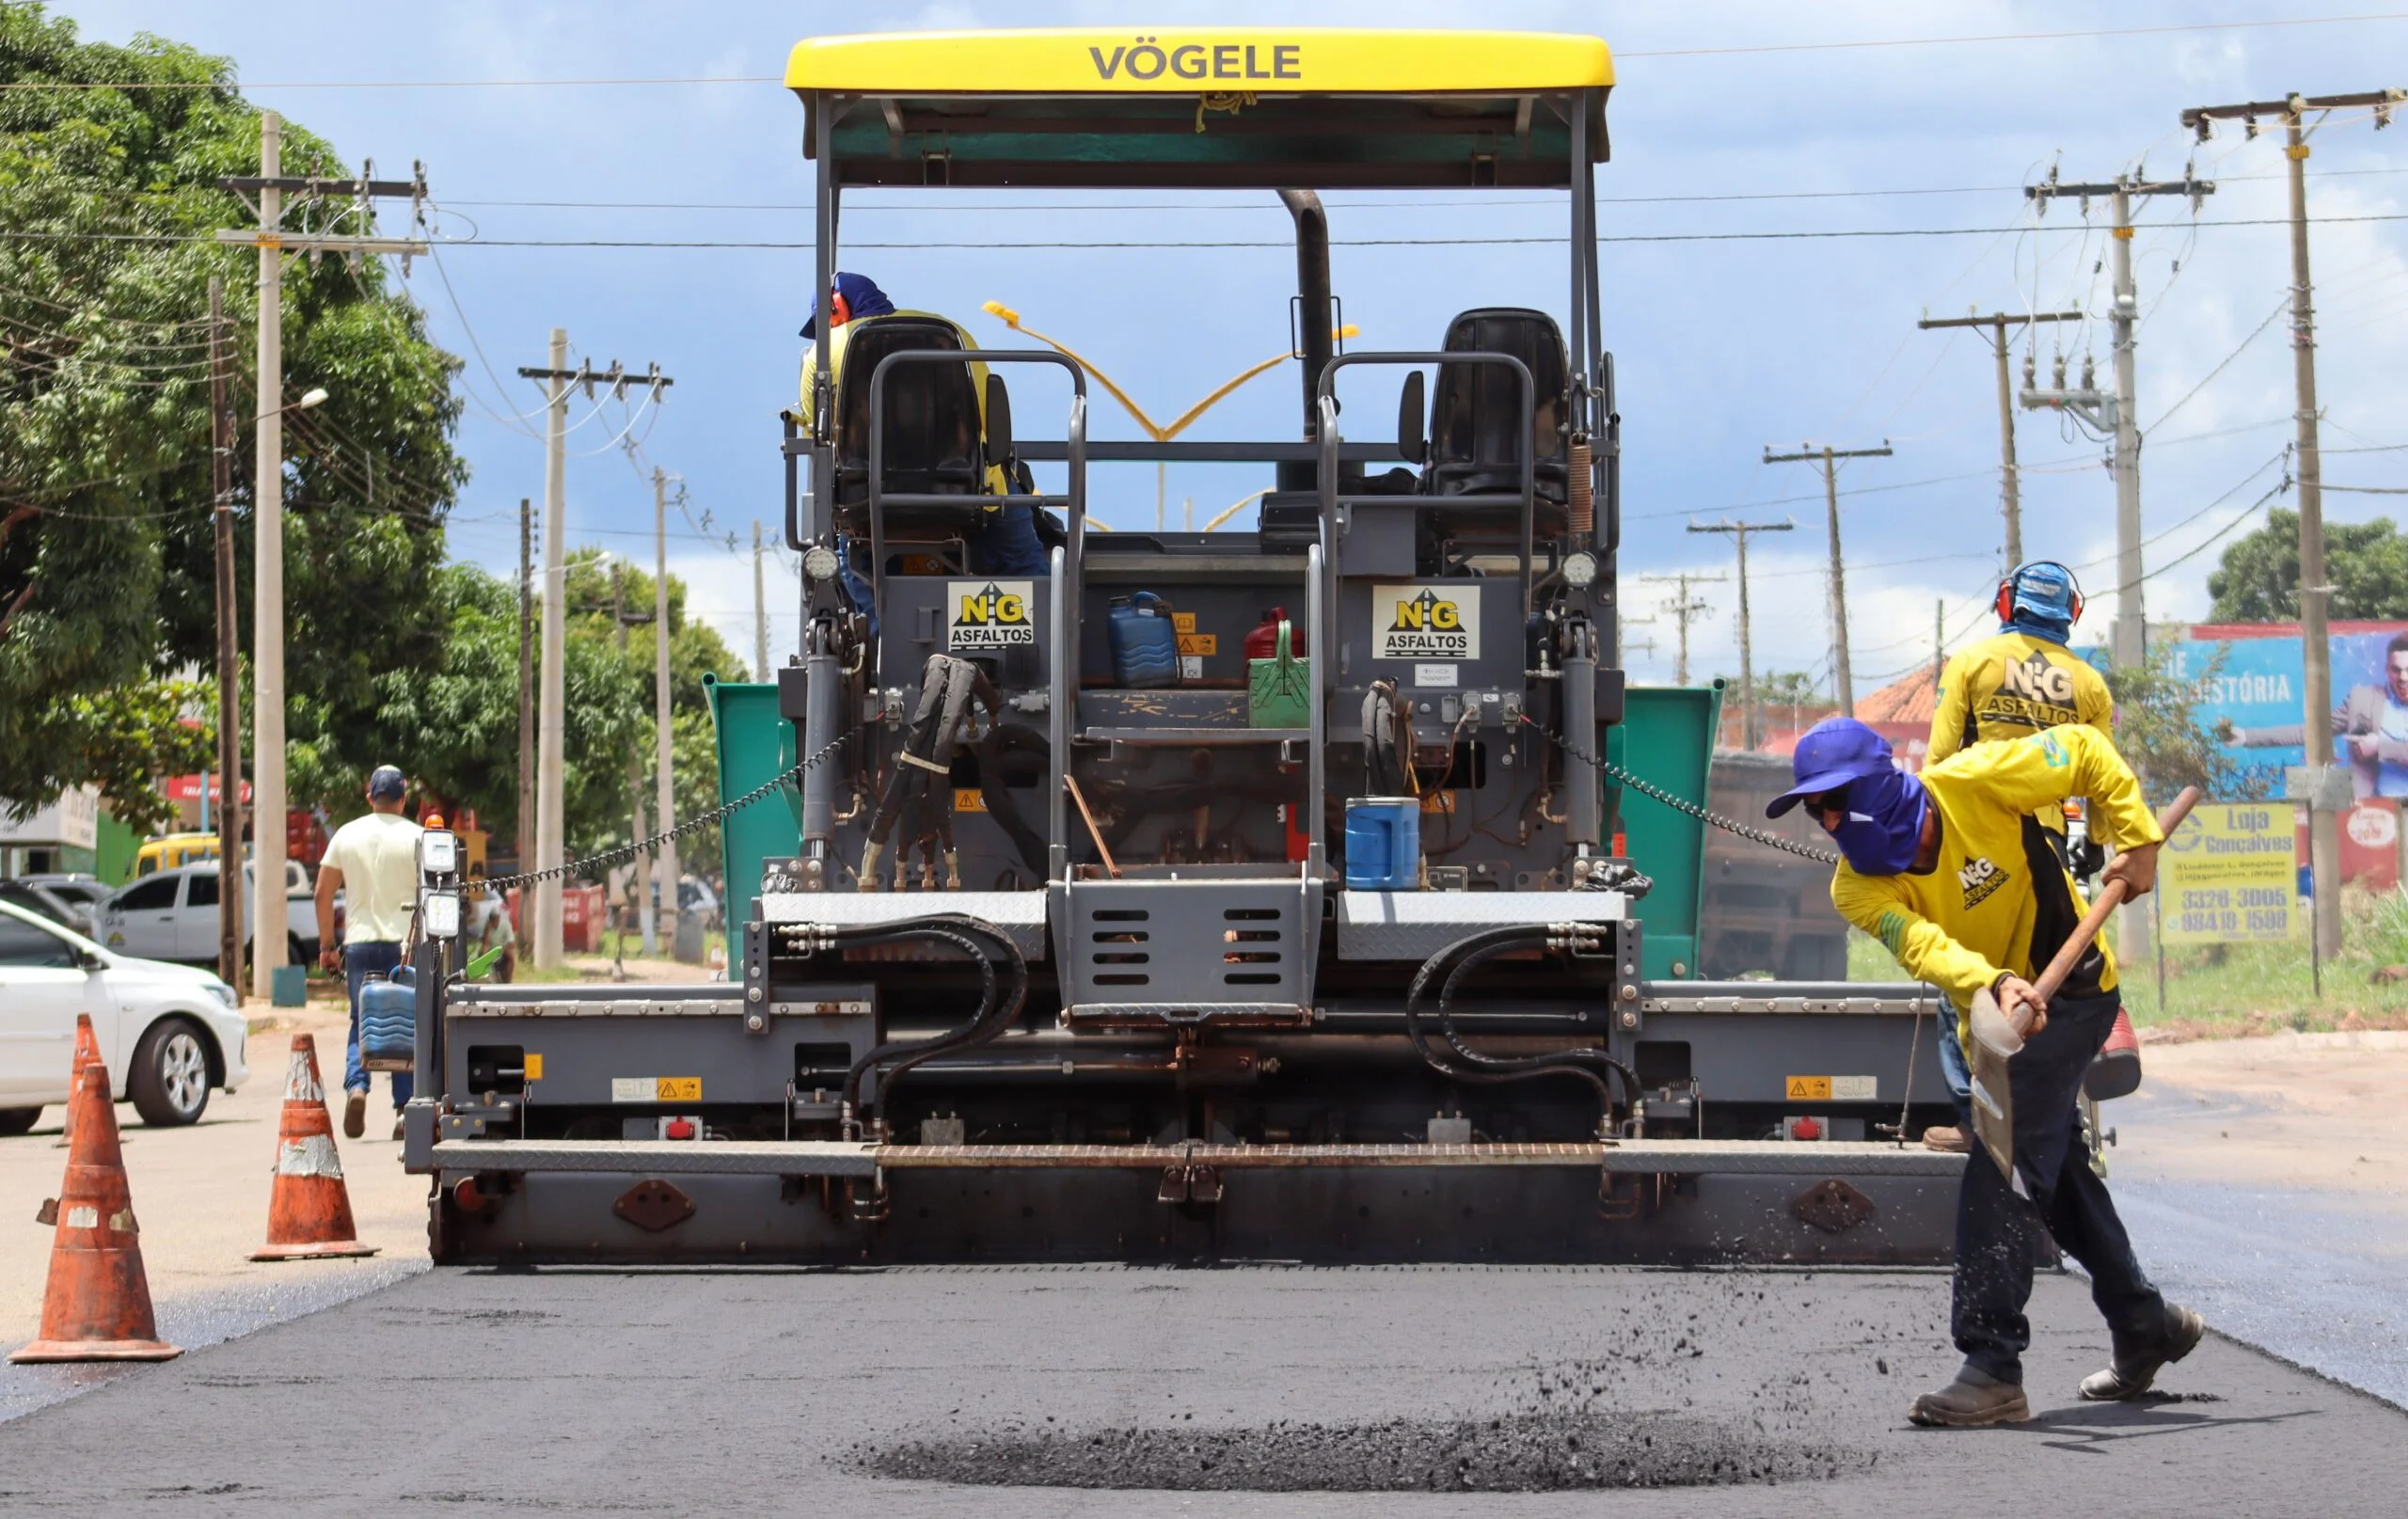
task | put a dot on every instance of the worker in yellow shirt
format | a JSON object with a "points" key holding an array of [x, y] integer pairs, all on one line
{"points": [[2024, 679], [2015, 684], [1952, 871]]}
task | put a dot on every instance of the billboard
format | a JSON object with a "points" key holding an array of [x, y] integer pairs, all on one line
{"points": [[2229, 875], [2254, 695]]}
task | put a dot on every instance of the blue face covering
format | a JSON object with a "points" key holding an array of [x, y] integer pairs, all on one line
{"points": [[2025, 622], [1884, 827]]}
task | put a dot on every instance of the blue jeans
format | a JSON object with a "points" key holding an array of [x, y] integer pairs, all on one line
{"points": [[359, 962], [1959, 1075], [1999, 1234]]}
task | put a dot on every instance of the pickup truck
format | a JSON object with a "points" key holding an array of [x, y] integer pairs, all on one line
{"points": [[172, 915]]}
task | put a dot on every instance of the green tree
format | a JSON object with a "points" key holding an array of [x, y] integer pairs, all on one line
{"points": [[112, 200], [2258, 579], [2159, 732]]}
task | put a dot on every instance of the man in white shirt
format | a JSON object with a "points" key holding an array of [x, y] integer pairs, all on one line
{"points": [[373, 861]]}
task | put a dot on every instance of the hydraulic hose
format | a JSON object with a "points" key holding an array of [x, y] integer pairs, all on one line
{"points": [[994, 1013], [1461, 1062]]}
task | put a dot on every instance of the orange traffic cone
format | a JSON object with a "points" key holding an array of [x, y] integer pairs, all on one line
{"points": [[97, 1306], [308, 1209], [88, 1048]]}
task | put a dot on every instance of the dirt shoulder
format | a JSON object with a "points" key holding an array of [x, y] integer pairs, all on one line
{"points": [[2315, 1111]]}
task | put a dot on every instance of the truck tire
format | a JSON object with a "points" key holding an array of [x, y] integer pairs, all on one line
{"points": [[168, 1082], [15, 1121], [292, 951]]}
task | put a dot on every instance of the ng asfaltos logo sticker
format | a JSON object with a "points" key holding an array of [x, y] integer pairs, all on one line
{"points": [[989, 614], [1438, 621]]}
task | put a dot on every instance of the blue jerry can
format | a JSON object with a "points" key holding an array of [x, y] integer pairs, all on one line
{"points": [[389, 1022]]}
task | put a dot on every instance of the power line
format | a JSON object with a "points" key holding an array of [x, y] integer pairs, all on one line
{"points": [[1335, 203], [790, 246], [231, 86]]}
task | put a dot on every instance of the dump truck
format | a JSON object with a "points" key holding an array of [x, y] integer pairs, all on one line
{"points": [[1065, 927]]}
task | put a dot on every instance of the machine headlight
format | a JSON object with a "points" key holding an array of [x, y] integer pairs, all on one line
{"points": [[224, 994], [1581, 568], [819, 562]]}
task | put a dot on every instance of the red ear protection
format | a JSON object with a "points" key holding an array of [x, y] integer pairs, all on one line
{"points": [[2006, 602]]}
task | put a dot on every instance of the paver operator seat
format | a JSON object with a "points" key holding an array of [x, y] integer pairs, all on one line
{"points": [[1476, 446]]}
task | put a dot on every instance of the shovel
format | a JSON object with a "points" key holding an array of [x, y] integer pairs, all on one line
{"points": [[1996, 1040]]}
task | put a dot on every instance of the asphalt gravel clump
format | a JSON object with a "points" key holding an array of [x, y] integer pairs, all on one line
{"points": [[1520, 1453]]}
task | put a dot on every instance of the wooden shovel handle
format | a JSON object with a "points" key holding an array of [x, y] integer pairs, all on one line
{"points": [[2110, 897]]}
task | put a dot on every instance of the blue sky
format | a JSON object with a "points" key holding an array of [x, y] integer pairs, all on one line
{"points": [[1722, 346]]}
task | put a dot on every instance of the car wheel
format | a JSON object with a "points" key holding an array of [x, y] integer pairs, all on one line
{"points": [[18, 1120], [169, 1080], [292, 955]]}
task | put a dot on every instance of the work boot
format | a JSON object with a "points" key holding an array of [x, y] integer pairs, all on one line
{"points": [[2129, 1376], [1951, 1140], [1973, 1400], [354, 1115], [397, 1128]]}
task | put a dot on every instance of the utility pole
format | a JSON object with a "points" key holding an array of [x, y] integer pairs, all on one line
{"points": [[642, 872], [1938, 638], [2010, 492], [2118, 414], [550, 849], [2315, 591], [230, 670], [1751, 727], [1684, 608], [663, 730], [760, 614], [548, 952], [1841, 674], [525, 696], [268, 840]]}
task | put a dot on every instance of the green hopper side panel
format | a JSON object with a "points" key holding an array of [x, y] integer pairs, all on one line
{"points": [[754, 745], [1665, 739]]}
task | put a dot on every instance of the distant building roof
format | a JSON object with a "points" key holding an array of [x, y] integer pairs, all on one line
{"points": [[1912, 698]]}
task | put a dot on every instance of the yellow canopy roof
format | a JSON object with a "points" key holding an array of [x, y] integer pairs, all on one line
{"points": [[1190, 60]]}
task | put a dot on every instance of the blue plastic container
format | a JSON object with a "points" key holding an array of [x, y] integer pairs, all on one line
{"points": [[1144, 641], [389, 1022], [1384, 843]]}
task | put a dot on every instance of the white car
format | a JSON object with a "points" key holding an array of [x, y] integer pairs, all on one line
{"points": [[167, 1032], [172, 915]]}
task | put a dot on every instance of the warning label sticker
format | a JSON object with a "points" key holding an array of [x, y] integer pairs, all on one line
{"points": [[655, 1088], [989, 614], [1832, 1089], [1439, 620]]}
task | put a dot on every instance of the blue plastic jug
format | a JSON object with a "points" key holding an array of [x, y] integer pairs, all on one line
{"points": [[1384, 843], [389, 1022], [1144, 641]]}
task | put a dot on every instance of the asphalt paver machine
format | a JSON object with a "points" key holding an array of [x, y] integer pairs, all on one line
{"points": [[1079, 910]]}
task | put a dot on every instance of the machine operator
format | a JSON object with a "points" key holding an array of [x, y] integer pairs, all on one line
{"points": [[1955, 875], [1014, 538]]}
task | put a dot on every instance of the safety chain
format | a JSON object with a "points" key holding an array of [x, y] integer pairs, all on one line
{"points": [[628, 851], [1681, 804]]}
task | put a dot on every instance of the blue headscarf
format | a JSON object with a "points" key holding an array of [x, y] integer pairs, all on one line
{"points": [[1885, 829], [2044, 601]]}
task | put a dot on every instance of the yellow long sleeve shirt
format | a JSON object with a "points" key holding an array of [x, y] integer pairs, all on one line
{"points": [[1997, 900], [2012, 685]]}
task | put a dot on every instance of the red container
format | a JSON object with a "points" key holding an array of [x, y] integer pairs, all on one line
{"points": [[583, 916], [1264, 641]]}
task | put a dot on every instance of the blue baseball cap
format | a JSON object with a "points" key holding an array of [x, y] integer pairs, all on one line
{"points": [[1832, 753], [386, 784], [861, 298], [2044, 590]]}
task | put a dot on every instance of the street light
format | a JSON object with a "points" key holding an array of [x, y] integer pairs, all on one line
{"points": [[313, 397]]}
